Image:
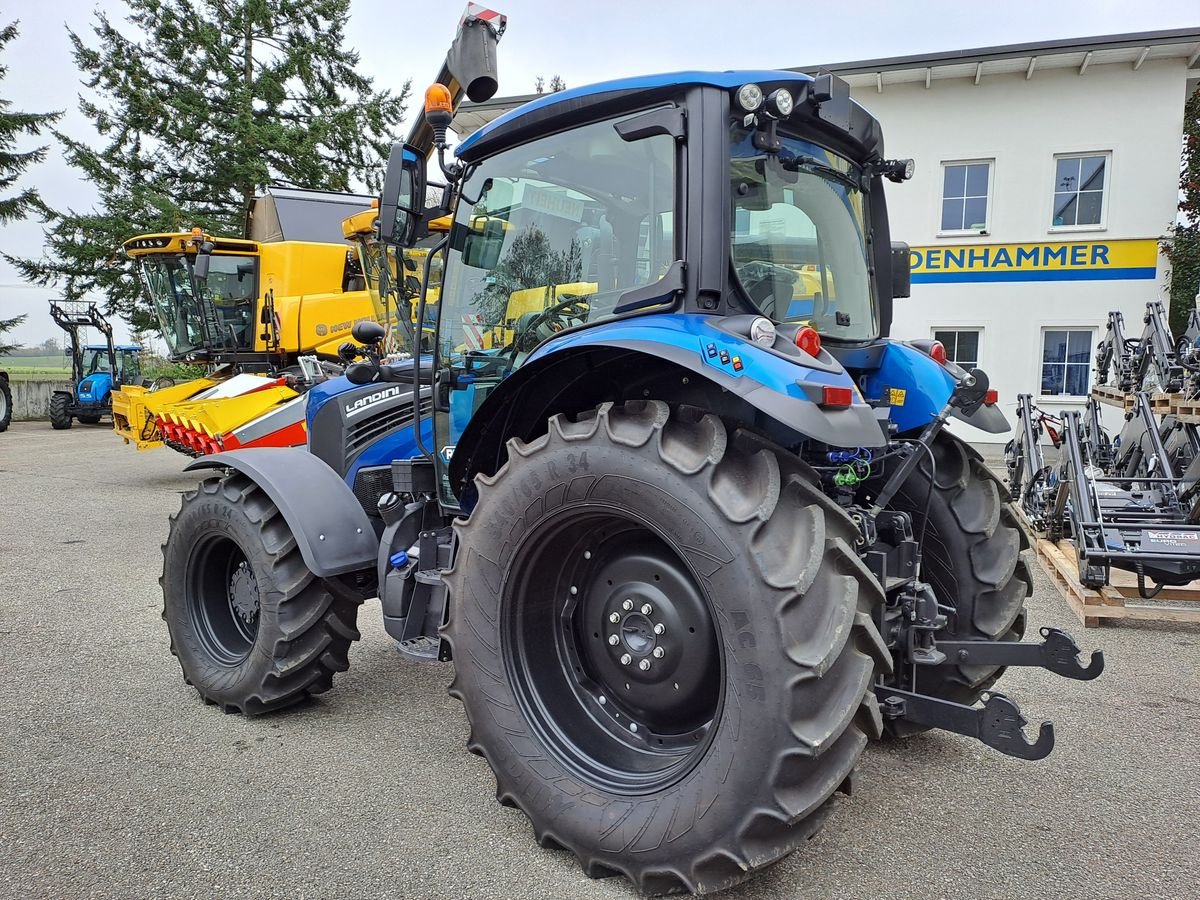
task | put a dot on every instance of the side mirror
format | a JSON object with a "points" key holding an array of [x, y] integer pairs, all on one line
{"points": [[402, 203], [901, 270], [367, 332], [203, 259]]}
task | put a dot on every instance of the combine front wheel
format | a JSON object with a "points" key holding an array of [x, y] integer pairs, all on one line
{"points": [[663, 640]]}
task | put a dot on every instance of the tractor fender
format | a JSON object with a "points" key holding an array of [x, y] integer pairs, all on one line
{"points": [[330, 527], [781, 387], [917, 387]]}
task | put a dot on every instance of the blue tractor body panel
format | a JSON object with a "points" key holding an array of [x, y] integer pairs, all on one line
{"points": [[94, 390], [715, 348], [383, 408]]}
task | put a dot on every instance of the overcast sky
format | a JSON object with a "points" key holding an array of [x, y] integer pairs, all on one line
{"points": [[582, 42]]}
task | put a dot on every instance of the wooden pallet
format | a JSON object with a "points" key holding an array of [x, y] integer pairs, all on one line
{"points": [[1162, 404], [1187, 410], [1106, 393], [1117, 600]]}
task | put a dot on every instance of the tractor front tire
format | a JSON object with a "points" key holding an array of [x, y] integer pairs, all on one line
{"points": [[89, 420], [972, 558], [60, 411], [663, 638], [5, 404], [253, 629]]}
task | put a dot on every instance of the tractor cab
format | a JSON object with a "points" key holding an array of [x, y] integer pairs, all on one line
{"points": [[128, 357]]}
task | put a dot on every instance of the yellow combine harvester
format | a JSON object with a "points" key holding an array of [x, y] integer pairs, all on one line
{"points": [[266, 315]]}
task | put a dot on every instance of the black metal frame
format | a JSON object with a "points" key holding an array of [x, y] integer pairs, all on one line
{"points": [[1154, 363], [1133, 519], [1116, 351]]}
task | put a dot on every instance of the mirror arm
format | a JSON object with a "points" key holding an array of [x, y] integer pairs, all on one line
{"points": [[419, 329]]}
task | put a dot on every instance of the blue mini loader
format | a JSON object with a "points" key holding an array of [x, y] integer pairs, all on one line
{"points": [[96, 369], [684, 517]]}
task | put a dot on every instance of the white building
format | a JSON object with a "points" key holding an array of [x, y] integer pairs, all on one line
{"points": [[1045, 175]]}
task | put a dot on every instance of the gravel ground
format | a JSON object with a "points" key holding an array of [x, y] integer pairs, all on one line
{"points": [[116, 781]]}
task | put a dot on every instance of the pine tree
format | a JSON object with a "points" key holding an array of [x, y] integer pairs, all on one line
{"points": [[210, 103], [13, 164], [7, 325], [1182, 247]]}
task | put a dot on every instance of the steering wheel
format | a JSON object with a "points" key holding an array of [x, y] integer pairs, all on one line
{"points": [[533, 328], [763, 280]]}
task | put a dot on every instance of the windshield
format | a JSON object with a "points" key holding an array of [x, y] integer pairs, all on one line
{"points": [[798, 230], [550, 235], [95, 361], [394, 277], [224, 321]]}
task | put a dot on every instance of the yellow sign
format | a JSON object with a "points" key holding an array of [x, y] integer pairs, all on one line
{"points": [[896, 396], [1060, 261]]}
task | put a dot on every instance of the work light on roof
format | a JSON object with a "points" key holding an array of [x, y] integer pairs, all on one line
{"points": [[749, 97], [781, 103]]}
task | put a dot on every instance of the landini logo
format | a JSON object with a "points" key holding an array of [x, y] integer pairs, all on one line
{"points": [[362, 404]]}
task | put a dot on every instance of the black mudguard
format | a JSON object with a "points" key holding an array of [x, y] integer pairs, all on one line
{"points": [[332, 531], [986, 418]]}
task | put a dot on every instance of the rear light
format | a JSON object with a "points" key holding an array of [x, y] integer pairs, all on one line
{"points": [[937, 350], [837, 397], [808, 340], [991, 398]]}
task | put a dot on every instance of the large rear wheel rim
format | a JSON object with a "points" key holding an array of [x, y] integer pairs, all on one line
{"points": [[223, 600], [612, 650]]}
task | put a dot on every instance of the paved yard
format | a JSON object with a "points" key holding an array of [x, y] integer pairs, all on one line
{"points": [[116, 781]]}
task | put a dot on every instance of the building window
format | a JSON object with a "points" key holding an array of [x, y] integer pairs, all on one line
{"points": [[1079, 190], [966, 187], [1066, 362], [962, 346]]}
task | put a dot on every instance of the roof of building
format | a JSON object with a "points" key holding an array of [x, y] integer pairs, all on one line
{"points": [[1133, 49]]}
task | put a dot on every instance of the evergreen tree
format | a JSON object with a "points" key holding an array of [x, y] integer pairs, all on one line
{"points": [[7, 325], [13, 164], [1182, 247], [211, 102]]}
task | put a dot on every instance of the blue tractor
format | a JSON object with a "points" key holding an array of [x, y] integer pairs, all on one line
{"points": [[96, 369], [683, 515]]}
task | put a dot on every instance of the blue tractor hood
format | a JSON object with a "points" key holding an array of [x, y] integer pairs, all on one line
{"points": [[95, 388]]}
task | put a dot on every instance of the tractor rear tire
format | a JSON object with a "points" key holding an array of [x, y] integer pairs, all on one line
{"points": [[638, 529], [253, 629], [972, 558], [5, 403], [60, 411], [89, 420]]}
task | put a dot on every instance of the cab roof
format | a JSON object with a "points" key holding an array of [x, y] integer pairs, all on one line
{"points": [[574, 106]]}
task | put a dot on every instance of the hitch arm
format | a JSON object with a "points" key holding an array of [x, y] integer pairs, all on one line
{"points": [[1057, 653], [998, 723]]}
